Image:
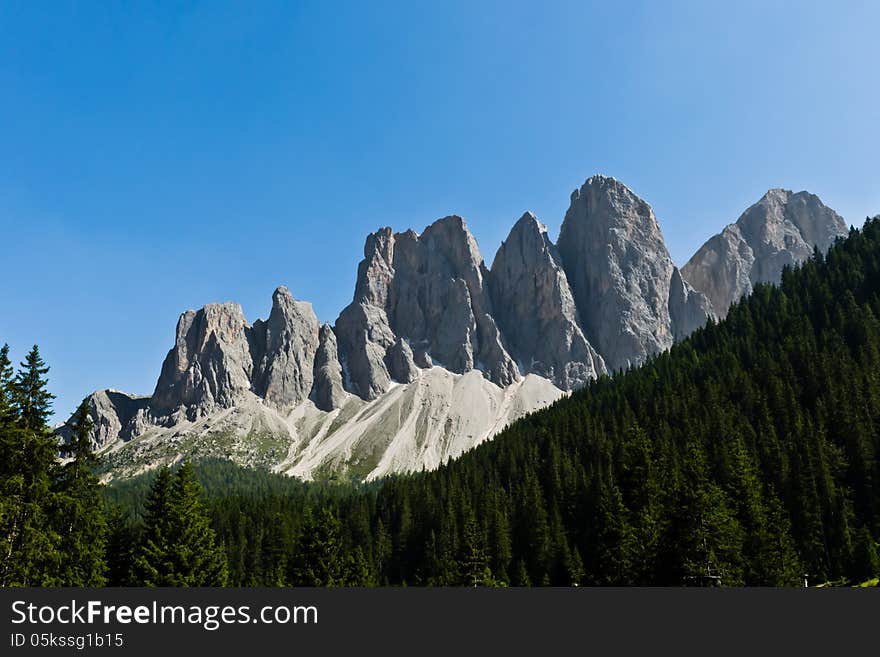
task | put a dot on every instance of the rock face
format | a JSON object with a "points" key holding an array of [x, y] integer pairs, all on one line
{"points": [[536, 310], [401, 364], [779, 230], [688, 308], [429, 290], [219, 359], [619, 270], [327, 390], [210, 365], [363, 335], [114, 414], [288, 340]]}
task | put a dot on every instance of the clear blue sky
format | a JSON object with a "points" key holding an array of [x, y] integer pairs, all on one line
{"points": [[158, 156]]}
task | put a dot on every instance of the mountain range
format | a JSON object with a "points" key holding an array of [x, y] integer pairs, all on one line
{"points": [[438, 352]]}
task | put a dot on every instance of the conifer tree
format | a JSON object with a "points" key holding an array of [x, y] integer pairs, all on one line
{"points": [[358, 570], [866, 564], [319, 559], [575, 567], [521, 577], [198, 559], [29, 541], [33, 401], [152, 565], [178, 547], [9, 446], [473, 557], [80, 508], [6, 380], [120, 547]]}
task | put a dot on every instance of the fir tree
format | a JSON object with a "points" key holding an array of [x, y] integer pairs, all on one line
{"points": [[80, 508], [866, 564], [120, 547], [198, 559], [29, 541], [475, 567], [152, 564], [358, 569], [6, 380], [178, 547], [33, 401], [319, 558]]}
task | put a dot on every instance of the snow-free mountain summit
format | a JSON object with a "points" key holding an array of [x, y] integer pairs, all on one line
{"points": [[438, 352]]}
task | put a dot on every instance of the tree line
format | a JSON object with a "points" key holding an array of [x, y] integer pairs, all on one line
{"points": [[745, 455], [55, 528]]}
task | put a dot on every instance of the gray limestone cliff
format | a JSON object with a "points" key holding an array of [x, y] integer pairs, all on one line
{"points": [[688, 308], [429, 290], [288, 341], [218, 359], [779, 230], [327, 390], [620, 273], [115, 415], [210, 365], [536, 311]]}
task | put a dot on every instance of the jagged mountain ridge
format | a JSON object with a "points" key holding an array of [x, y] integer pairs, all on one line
{"points": [[449, 347]]}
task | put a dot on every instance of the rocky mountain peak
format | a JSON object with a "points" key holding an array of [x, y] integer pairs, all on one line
{"points": [[428, 289], [779, 230], [287, 343], [375, 271], [619, 270], [116, 416], [528, 230], [607, 200], [327, 390], [210, 364], [219, 359], [536, 311]]}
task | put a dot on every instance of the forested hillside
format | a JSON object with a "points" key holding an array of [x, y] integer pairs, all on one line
{"points": [[745, 455]]}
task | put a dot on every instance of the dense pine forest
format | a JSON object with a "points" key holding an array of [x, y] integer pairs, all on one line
{"points": [[745, 455]]}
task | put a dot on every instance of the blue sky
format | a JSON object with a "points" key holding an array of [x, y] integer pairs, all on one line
{"points": [[158, 156]]}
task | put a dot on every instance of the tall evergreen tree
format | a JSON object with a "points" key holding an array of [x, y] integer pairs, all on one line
{"points": [[80, 508], [120, 546], [6, 381], [152, 564], [319, 557], [866, 564], [179, 546], [30, 394], [200, 561], [475, 565], [29, 540]]}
